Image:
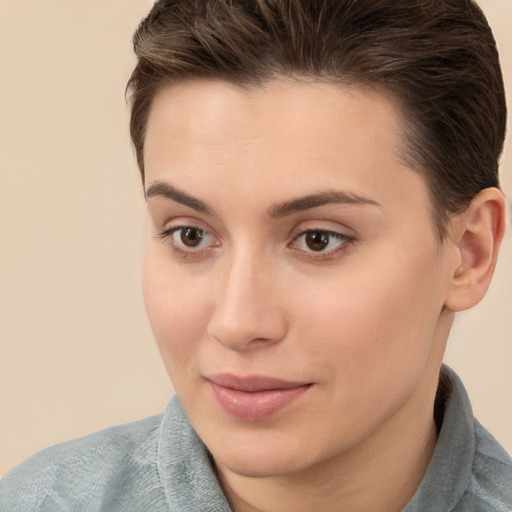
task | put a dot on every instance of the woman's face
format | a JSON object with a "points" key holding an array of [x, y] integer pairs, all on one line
{"points": [[292, 277]]}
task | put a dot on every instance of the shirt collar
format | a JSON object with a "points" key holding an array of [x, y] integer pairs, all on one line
{"points": [[185, 466], [449, 472]]}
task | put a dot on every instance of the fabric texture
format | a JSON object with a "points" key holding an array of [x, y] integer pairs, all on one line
{"points": [[159, 464]]}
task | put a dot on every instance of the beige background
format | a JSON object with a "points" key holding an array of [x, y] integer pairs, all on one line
{"points": [[76, 352]]}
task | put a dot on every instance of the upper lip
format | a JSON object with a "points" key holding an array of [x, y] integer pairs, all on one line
{"points": [[252, 383]]}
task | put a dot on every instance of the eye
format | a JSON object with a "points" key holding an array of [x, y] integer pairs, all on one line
{"points": [[190, 237], [189, 241], [322, 242]]}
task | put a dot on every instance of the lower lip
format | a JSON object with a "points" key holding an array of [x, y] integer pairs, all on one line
{"points": [[256, 405]]}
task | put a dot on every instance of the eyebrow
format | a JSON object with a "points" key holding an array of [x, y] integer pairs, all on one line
{"points": [[162, 189], [319, 199]]}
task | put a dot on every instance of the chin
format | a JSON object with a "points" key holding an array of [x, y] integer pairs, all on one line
{"points": [[259, 467], [260, 458]]}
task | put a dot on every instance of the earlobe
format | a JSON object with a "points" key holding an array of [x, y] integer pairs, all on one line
{"points": [[477, 234]]}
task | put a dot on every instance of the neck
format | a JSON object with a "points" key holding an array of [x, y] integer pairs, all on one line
{"points": [[359, 485]]}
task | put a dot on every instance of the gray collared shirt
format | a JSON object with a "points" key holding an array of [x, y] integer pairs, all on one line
{"points": [[159, 464]]}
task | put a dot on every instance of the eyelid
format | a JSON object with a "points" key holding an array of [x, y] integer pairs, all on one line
{"points": [[183, 222]]}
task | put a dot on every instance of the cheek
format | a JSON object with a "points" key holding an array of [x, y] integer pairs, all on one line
{"points": [[370, 342], [371, 319], [177, 309]]}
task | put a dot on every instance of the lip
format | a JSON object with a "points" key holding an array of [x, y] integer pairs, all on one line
{"points": [[254, 398]]}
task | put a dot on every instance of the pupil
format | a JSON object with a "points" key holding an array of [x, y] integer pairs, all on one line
{"points": [[317, 240], [191, 237]]}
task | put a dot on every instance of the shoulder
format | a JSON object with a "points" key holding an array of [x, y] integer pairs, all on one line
{"points": [[87, 466], [490, 486]]}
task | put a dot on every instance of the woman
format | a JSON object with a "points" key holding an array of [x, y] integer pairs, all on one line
{"points": [[321, 182]]}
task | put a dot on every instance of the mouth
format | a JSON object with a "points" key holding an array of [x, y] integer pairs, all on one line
{"points": [[254, 398]]}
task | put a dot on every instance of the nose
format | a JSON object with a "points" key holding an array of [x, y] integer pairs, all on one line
{"points": [[248, 312]]}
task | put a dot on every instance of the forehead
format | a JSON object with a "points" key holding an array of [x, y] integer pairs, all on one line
{"points": [[284, 139], [290, 109]]}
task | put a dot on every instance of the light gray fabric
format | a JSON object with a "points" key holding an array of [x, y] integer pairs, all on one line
{"points": [[159, 464], [469, 470]]}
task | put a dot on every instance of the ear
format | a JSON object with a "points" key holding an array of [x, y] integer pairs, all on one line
{"points": [[476, 234]]}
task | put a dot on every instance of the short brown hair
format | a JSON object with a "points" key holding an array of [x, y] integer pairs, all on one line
{"points": [[437, 57]]}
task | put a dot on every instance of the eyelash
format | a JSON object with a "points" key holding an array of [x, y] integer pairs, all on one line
{"points": [[345, 242]]}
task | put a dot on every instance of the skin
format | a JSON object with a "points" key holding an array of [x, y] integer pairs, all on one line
{"points": [[364, 320]]}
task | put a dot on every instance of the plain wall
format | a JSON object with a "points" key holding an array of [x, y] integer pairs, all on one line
{"points": [[76, 351]]}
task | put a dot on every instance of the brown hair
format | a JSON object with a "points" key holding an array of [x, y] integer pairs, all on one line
{"points": [[437, 57]]}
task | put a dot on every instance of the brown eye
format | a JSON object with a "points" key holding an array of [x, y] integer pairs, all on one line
{"points": [[317, 240], [322, 243], [191, 237]]}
